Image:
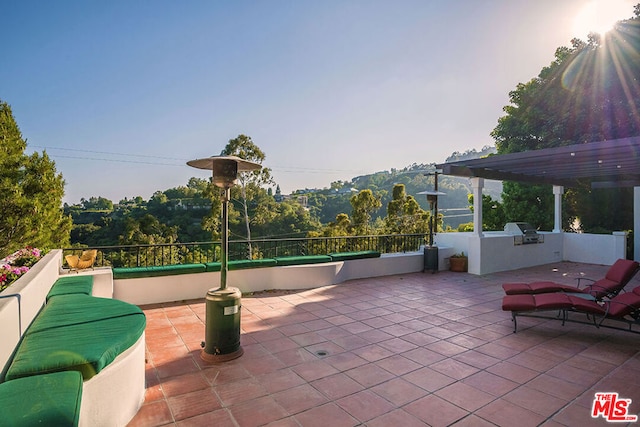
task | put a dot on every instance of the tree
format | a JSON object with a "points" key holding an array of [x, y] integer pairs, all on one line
{"points": [[31, 193], [147, 231], [97, 203], [364, 204], [493, 213], [285, 219], [250, 182], [588, 93], [342, 226], [404, 214]]}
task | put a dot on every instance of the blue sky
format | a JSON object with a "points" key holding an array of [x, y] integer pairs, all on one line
{"points": [[121, 94]]}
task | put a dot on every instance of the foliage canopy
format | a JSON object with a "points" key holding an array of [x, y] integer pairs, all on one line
{"points": [[31, 193], [589, 93]]}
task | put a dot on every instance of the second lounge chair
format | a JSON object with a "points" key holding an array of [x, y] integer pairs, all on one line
{"points": [[617, 277], [624, 307]]}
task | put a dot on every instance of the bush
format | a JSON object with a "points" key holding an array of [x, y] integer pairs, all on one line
{"points": [[16, 264]]}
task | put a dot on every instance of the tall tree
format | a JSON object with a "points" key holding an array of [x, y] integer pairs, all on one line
{"points": [[342, 226], [590, 92], [404, 214], [250, 182], [364, 204], [31, 193]]}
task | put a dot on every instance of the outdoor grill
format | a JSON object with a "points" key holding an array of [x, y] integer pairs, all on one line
{"points": [[523, 233]]}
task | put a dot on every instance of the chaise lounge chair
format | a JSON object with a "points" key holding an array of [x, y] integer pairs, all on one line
{"points": [[83, 261], [624, 307], [617, 277]]}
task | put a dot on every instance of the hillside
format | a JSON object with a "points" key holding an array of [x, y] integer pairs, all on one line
{"points": [[416, 178], [185, 213]]}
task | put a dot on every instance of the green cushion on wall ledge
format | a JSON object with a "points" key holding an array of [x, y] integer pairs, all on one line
{"points": [[303, 259], [46, 400], [168, 270], [72, 284], [164, 270], [346, 256], [242, 264]]}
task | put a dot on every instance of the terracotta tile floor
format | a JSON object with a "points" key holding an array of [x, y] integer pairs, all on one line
{"points": [[413, 349]]}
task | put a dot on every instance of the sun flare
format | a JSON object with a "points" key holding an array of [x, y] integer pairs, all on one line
{"points": [[599, 16]]}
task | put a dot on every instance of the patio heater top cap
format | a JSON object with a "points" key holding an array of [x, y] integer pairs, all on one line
{"points": [[225, 168], [433, 193], [432, 196]]}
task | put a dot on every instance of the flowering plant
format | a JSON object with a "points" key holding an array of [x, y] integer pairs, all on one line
{"points": [[16, 264], [459, 255]]}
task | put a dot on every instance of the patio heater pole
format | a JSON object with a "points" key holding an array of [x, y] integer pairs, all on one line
{"points": [[431, 251], [434, 213], [224, 244], [222, 321]]}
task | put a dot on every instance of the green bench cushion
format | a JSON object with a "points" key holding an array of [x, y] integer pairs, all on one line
{"points": [[77, 284], [46, 400], [304, 259], [345, 256], [242, 264], [164, 270], [80, 309], [77, 332]]}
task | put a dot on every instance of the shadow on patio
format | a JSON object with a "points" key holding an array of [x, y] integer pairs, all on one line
{"points": [[413, 349]]}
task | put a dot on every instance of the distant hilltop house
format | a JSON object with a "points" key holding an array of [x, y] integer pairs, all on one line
{"points": [[347, 190], [191, 204], [279, 197]]}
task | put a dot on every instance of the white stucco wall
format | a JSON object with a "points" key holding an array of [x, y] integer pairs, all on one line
{"points": [[495, 251], [595, 248], [150, 290]]}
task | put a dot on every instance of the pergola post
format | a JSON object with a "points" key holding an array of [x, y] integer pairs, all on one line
{"points": [[636, 223], [558, 191], [478, 185]]}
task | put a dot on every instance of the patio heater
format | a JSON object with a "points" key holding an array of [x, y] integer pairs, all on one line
{"points": [[222, 321], [431, 250]]}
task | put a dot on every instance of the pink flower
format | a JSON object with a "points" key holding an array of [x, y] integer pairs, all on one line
{"points": [[17, 264]]}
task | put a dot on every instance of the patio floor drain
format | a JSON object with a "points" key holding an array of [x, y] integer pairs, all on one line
{"points": [[321, 353]]}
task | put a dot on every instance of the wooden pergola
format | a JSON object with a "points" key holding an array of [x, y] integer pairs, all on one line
{"points": [[604, 164]]}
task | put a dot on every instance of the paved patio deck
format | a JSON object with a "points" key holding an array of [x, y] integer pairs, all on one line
{"points": [[405, 350]]}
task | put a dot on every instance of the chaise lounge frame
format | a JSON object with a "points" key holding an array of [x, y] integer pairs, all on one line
{"points": [[616, 278], [623, 308]]}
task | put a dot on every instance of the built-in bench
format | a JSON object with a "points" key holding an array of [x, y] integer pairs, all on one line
{"points": [[172, 270], [69, 358], [77, 333], [283, 272]]}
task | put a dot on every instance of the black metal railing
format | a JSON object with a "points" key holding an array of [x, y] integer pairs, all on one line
{"points": [[201, 252]]}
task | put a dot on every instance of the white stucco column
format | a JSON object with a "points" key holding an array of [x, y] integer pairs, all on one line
{"points": [[636, 223], [478, 185], [557, 222]]}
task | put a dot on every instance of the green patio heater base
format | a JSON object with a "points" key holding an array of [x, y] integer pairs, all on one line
{"points": [[222, 325]]}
